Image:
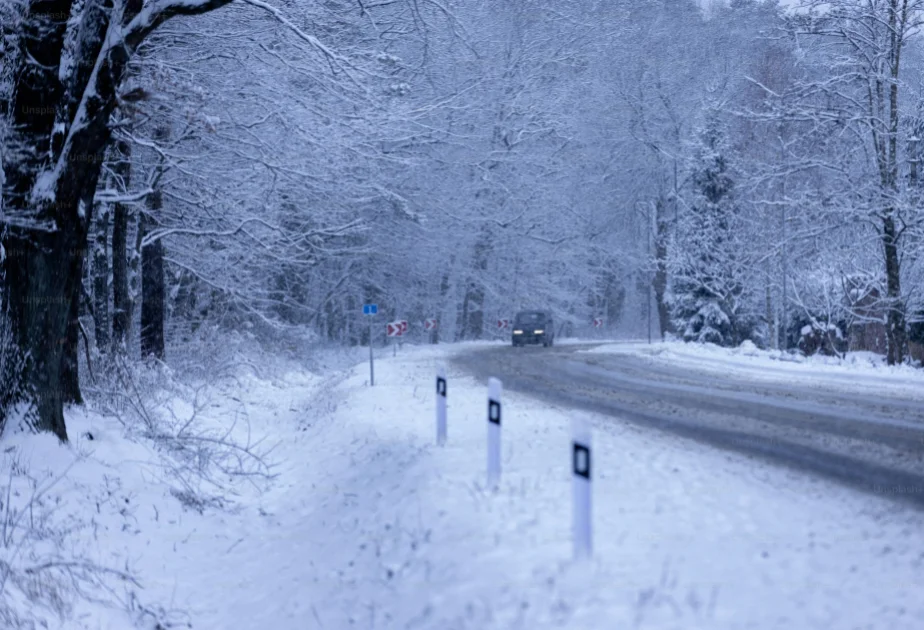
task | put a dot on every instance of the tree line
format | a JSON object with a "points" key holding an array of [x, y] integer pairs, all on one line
{"points": [[737, 172]]}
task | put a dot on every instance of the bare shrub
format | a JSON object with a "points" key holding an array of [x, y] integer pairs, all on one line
{"points": [[154, 403], [41, 566]]}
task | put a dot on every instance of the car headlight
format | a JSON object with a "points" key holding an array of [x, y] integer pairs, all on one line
{"points": [[538, 332], [517, 332]]}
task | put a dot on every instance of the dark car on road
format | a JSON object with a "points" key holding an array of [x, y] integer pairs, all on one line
{"points": [[533, 327]]}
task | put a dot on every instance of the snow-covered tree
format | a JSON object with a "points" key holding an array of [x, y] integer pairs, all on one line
{"points": [[859, 96], [709, 300]]}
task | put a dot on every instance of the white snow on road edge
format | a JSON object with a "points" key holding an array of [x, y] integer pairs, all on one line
{"points": [[858, 372], [370, 525]]}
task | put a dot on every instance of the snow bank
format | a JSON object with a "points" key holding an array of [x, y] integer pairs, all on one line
{"points": [[858, 372]]}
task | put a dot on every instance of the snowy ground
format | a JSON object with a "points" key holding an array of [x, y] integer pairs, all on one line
{"points": [[370, 525]]}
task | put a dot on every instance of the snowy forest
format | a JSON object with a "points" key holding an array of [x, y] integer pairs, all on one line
{"points": [[713, 209], [720, 173]]}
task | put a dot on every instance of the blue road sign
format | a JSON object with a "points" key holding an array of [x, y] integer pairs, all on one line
{"points": [[370, 309]]}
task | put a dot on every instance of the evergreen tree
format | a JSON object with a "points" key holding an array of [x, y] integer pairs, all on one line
{"points": [[707, 302]]}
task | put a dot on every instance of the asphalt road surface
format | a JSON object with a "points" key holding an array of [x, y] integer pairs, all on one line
{"points": [[871, 443]]}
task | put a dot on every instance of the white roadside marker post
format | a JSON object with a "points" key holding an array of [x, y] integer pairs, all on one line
{"points": [[494, 432], [371, 310], [441, 406], [371, 362], [581, 471]]}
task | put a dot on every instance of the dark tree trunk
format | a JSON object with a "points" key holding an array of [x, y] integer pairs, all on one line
{"points": [[70, 375], [660, 277], [473, 322], [121, 307], [39, 263], [43, 286], [331, 320], [152, 287], [185, 303], [43, 281], [895, 328], [444, 291], [134, 268], [463, 318], [614, 300], [101, 281]]}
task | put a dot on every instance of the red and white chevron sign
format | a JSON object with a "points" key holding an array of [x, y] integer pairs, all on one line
{"points": [[403, 324], [430, 324], [598, 322], [394, 329], [503, 324]]}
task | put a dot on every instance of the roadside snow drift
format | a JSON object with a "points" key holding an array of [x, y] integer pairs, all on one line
{"points": [[859, 372]]}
